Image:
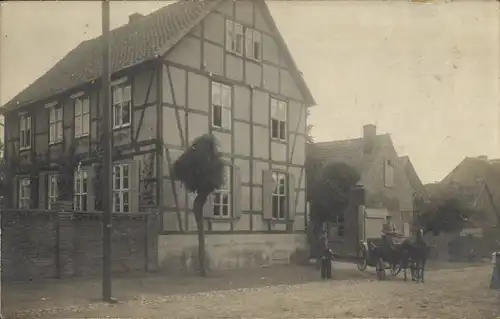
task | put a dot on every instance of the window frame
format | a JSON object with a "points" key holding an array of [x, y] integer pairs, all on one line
{"points": [[226, 190], [389, 167], [52, 193], [24, 198], [281, 197], [121, 192], [225, 110], [232, 39], [121, 87], [250, 40], [25, 131], [56, 122], [278, 118], [80, 116], [80, 196]]}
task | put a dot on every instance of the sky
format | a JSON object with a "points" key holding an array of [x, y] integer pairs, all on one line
{"points": [[428, 74]]}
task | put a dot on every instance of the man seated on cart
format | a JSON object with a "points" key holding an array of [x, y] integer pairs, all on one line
{"points": [[389, 235]]}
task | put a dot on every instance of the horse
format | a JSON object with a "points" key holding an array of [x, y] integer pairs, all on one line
{"points": [[415, 256]]}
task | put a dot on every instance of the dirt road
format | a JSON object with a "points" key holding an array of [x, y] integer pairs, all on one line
{"points": [[449, 293]]}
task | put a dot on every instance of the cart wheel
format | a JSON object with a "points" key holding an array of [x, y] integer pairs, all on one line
{"points": [[380, 269], [395, 269], [362, 259]]}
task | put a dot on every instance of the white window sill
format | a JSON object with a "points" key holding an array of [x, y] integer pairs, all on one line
{"points": [[278, 140], [55, 142], [258, 60], [82, 135], [117, 127], [25, 148], [234, 52]]}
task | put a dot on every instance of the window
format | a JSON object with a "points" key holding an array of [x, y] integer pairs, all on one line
{"points": [[55, 124], [253, 44], [221, 105], [340, 225], [278, 119], [222, 196], [52, 190], [234, 37], [121, 188], [389, 173], [122, 98], [279, 195], [25, 132], [80, 190], [24, 193], [82, 116]]}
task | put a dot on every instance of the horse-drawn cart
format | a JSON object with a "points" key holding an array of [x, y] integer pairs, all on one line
{"points": [[371, 254]]}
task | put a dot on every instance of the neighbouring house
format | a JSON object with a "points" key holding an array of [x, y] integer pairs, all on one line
{"points": [[389, 180], [477, 181], [190, 68]]}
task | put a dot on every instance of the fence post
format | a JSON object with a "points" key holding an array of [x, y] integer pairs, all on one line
{"points": [[495, 278]]}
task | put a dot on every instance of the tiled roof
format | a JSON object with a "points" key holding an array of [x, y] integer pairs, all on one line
{"points": [[346, 151], [133, 43], [146, 38]]}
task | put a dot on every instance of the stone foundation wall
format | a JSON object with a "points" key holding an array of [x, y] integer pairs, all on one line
{"points": [[178, 253]]}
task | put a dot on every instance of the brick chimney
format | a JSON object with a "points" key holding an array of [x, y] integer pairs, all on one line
{"points": [[369, 135], [134, 17]]}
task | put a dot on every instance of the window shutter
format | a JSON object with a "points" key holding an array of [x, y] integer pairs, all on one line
{"points": [[15, 193], [291, 197], [229, 34], [248, 43], [268, 185], [236, 192], [43, 191], [134, 176], [208, 208], [90, 188]]}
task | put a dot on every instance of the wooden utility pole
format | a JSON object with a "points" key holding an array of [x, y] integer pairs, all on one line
{"points": [[107, 168]]}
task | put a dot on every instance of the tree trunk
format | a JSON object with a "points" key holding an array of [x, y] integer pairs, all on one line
{"points": [[198, 204]]}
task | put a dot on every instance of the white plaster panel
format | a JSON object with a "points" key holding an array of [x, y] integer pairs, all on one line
{"points": [[198, 92], [170, 221], [215, 26], [297, 122], [171, 134], [253, 74], [141, 84], [147, 130], [299, 153], [299, 223], [258, 168], [197, 124], [196, 31], [221, 225], [271, 77], [241, 138], [269, 49], [258, 223], [174, 155], [278, 152], [214, 58], [260, 107], [242, 223], [278, 226], [241, 107], [245, 198], [288, 87], [244, 11], [226, 8], [179, 84], [244, 166], [260, 22], [301, 201], [187, 52], [234, 67], [224, 141], [257, 199], [260, 142]]}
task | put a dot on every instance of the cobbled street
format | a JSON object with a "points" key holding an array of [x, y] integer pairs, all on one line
{"points": [[447, 293]]}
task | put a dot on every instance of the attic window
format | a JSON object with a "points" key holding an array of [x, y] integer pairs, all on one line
{"points": [[234, 37], [253, 40]]}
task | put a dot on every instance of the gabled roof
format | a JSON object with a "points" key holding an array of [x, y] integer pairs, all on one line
{"points": [[145, 39], [412, 175], [348, 151]]}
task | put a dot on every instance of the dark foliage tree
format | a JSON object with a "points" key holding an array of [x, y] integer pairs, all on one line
{"points": [[309, 137], [329, 193], [444, 212], [201, 170]]}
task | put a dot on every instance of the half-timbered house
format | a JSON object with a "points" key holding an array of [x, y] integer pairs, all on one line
{"points": [[192, 67]]}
